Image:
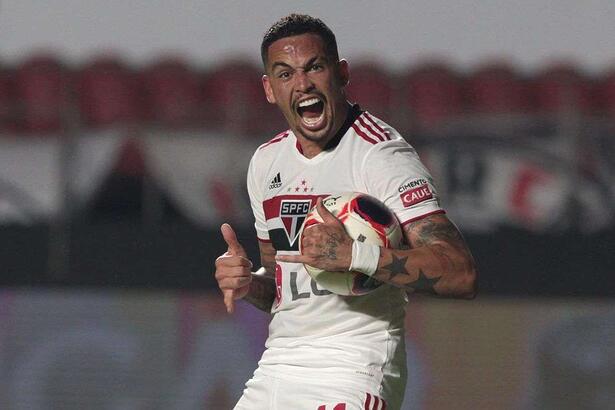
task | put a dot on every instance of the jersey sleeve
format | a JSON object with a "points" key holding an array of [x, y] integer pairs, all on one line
{"points": [[256, 201], [393, 173]]}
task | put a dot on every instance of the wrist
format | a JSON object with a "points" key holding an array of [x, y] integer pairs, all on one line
{"points": [[364, 258]]}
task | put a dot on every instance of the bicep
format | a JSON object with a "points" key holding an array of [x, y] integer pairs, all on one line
{"points": [[268, 253]]}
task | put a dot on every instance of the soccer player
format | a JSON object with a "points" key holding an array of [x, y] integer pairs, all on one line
{"points": [[326, 351]]}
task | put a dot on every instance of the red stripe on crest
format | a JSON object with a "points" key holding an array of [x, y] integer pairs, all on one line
{"points": [[376, 402]]}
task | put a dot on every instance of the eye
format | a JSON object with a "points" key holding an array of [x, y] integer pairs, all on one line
{"points": [[284, 75], [317, 67]]}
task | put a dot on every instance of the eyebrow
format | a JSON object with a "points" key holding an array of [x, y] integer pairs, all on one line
{"points": [[310, 62]]}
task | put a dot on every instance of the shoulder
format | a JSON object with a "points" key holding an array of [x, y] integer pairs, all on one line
{"points": [[379, 138], [270, 149], [371, 131], [266, 153], [273, 141]]}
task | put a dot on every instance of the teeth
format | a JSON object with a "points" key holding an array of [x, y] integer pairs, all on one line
{"points": [[311, 101], [312, 121]]}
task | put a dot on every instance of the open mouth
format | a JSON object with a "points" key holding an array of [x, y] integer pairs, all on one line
{"points": [[311, 110]]}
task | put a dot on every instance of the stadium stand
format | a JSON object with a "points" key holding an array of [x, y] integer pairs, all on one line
{"points": [[372, 87], [107, 93], [431, 93], [42, 95], [171, 94], [496, 88], [7, 100], [562, 87], [234, 100]]}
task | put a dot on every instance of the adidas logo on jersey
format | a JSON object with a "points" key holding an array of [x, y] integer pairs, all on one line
{"points": [[276, 182]]}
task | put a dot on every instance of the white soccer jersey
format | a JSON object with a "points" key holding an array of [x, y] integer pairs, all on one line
{"points": [[313, 333]]}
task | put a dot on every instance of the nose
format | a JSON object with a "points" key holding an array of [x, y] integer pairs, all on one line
{"points": [[304, 82]]}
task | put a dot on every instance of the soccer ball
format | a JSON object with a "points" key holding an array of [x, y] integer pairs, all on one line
{"points": [[366, 219]]}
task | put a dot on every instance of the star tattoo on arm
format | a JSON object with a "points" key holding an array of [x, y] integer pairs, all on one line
{"points": [[397, 267], [422, 284]]}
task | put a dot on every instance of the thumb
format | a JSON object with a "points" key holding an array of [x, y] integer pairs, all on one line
{"points": [[234, 247], [229, 300], [325, 214]]}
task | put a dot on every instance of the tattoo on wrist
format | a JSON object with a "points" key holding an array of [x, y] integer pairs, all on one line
{"points": [[330, 250]]}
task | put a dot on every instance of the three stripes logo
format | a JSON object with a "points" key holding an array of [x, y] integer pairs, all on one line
{"points": [[276, 182]]}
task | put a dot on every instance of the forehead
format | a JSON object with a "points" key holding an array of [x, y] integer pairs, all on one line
{"points": [[303, 46]]}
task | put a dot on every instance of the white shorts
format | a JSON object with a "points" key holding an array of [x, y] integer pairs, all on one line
{"points": [[264, 392]]}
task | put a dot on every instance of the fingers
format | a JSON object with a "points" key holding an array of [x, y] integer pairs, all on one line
{"points": [[292, 258], [230, 260], [230, 238], [233, 287], [324, 213], [233, 269], [229, 300]]}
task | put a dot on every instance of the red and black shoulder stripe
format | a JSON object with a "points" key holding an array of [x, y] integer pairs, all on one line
{"points": [[368, 129]]}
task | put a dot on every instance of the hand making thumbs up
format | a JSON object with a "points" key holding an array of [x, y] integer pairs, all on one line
{"points": [[233, 269]]}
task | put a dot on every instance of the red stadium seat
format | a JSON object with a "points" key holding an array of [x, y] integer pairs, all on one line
{"points": [[235, 101], [372, 88], [107, 93], [431, 94], [496, 89], [562, 88], [7, 102], [606, 94], [172, 94], [42, 95]]}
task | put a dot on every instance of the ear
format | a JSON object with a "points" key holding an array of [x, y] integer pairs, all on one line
{"points": [[268, 89], [344, 72]]}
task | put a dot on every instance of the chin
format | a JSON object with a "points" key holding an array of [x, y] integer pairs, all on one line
{"points": [[315, 136]]}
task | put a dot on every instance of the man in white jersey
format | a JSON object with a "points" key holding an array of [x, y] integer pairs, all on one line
{"points": [[325, 351]]}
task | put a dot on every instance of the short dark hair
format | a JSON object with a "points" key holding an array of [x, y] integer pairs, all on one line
{"points": [[294, 25]]}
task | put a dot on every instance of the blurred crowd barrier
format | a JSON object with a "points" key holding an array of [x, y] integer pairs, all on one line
{"points": [[107, 167], [119, 350]]}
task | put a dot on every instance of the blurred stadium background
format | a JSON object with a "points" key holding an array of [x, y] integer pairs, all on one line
{"points": [[118, 166]]}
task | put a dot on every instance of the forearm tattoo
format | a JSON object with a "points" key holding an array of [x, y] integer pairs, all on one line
{"points": [[427, 231], [424, 284], [398, 269], [262, 293]]}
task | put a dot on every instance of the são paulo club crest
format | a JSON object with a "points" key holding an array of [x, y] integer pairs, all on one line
{"points": [[293, 213]]}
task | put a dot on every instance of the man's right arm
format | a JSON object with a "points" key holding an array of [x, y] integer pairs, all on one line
{"points": [[262, 287]]}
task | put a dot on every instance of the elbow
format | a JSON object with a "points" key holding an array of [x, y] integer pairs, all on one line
{"points": [[463, 286], [469, 285]]}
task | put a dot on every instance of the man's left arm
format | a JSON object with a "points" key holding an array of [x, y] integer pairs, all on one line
{"points": [[438, 261]]}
